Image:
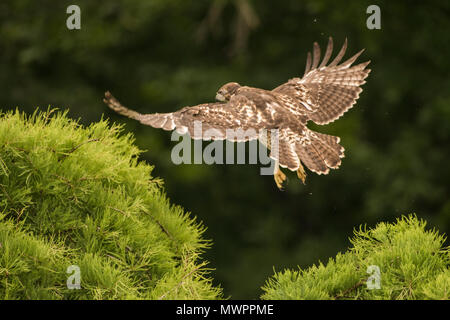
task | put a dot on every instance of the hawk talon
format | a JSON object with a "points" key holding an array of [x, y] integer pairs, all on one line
{"points": [[279, 178], [301, 174]]}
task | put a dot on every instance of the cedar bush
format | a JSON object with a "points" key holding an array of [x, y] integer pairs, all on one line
{"points": [[74, 195], [412, 261]]}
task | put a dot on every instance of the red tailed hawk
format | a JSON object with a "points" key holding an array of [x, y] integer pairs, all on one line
{"points": [[322, 95]]}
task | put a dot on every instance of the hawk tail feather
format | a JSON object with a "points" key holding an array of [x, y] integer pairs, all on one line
{"points": [[321, 152]]}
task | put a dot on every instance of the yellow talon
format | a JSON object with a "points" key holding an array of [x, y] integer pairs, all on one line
{"points": [[279, 178], [301, 174]]}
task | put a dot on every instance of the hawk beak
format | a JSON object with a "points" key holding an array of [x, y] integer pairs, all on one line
{"points": [[220, 97]]}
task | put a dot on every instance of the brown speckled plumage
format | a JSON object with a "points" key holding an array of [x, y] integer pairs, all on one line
{"points": [[322, 95]]}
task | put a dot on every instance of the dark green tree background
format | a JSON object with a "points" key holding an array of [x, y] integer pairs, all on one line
{"points": [[160, 55]]}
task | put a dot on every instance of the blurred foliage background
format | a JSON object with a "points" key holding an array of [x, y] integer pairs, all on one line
{"points": [[161, 55]]}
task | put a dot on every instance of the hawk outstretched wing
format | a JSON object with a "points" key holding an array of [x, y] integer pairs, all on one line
{"points": [[326, 92], [237, 120]]}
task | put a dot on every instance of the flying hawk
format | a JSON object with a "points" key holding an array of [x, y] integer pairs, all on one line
{"points": [[322, 95]]}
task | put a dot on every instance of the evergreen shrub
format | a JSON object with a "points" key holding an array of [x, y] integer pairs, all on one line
{"points": [[78, 196], [391, 261]]}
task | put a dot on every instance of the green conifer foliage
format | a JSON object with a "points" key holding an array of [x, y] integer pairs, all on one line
{"points": [[412, 264], [71, 195]]}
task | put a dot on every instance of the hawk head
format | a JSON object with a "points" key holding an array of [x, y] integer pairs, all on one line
{"points": [[226, 91]]}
